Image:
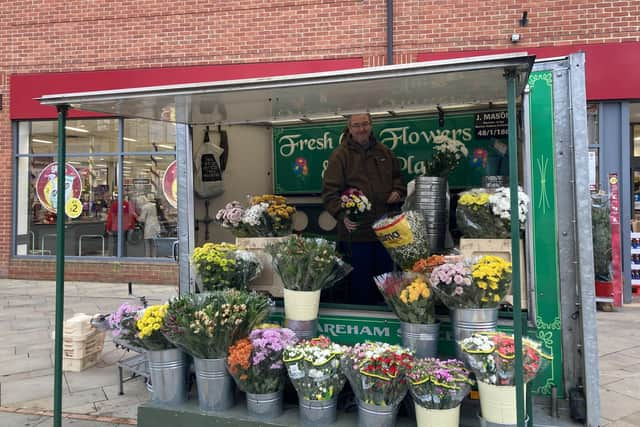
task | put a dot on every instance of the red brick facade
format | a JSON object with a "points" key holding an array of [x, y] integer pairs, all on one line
{"points": [[74, 35]]}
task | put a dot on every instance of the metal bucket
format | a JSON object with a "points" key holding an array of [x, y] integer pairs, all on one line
{"points": [[168, 370], [216, 390], [264, 406], [376, 416], [304, 329], [421, 338], [467, 321], [318, 412], [431, 202]]}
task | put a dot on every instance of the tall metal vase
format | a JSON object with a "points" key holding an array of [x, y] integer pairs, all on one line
{"points": [[468, 321], [376, 415], [422, 338], [216, 389], [432, 201], [168, 370]]}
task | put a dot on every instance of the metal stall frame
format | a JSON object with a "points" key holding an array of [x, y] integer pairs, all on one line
{"points": [[419, 88]]}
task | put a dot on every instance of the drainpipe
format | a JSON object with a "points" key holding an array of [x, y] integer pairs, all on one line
{"points": [[389, 32]]}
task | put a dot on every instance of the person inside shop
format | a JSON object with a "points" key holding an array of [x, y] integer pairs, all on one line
{"points": [[111, 224], [361, 162], [149, 217]]}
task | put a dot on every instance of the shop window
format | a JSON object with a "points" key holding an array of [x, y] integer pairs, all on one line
{"points": [[94, 165]]}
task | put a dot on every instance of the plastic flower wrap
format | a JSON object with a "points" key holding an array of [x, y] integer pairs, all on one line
{"points": [[491, 356], [307, 264], [223, 265], [267, 215], [405, 237], [438, 384], [426, 265], [314, 368], [205, 325], [149, 325], [487, 213], [480, 285], [256, 362], [447, 155], [355, 204], [122, 323], [408, 295], [377, 372]]}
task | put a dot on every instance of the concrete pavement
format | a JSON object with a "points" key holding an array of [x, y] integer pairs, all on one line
{"points": [[90, 398]]}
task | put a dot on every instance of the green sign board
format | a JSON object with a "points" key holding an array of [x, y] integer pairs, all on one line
{"points": [[301, 153]]}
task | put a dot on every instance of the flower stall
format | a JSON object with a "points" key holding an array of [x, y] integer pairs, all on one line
{"points": [[442, 119]]}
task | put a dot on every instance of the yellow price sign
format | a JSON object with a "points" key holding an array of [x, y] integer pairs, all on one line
{"points": [[73, 207]]}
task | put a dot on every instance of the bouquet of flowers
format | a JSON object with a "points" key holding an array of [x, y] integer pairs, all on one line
{"points": [[205, 325], [267, 216], [447, 155], [122, 324], [149, 327], [481, 285], [485, 214], [426, 265], [491, 356], [377, 372], [256, 362], [438, 384], [223, 265], [601, 236], [404, 236], [408, 295], [307, 264], [355, 204], [314, 368]]}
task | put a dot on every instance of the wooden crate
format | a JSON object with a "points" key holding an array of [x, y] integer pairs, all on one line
{"points": [[80, 364], [268, 281], [472, 248]]}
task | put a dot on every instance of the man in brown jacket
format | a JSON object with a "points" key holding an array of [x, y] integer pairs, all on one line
{"points": [[364, 163]]}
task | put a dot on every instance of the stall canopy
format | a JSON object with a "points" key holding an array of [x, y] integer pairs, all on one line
{"points": [[390, 90]]}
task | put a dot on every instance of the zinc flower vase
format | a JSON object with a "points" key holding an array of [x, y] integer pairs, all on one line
{"points": [[431, 201], [318, 412], [264, 406], [376, 415], [422, 338], [168, 370], [216, 390], [498, 403], [301, 312], [467, 321], [437, 417]]}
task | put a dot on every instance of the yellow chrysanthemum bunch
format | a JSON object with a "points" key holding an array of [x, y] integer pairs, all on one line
{"points": [[222, 265], [148, 328], [474, 198], [278, 211], [416, 290], [492, 275]]}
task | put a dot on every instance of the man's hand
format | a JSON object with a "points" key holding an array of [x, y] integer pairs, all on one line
{"points": [[394, 197], [350, 225]]}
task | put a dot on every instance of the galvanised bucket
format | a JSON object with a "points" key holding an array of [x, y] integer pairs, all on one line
{"points": [[376, 416], [264, 406], [168, 370], [216, 389], [304, 329], [468, 321], [318, 412], [421, 338]]}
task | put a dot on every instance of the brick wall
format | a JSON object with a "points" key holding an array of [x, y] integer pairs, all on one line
{"points": [[74, 35]]}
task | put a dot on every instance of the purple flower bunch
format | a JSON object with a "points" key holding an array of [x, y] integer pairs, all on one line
{"points": [[268, 345], [122, 323], [231, 215], [453, 284], [438, 384]]}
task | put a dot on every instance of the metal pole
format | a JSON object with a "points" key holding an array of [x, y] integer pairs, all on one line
{"points": [[515, 246], [60, 218]]}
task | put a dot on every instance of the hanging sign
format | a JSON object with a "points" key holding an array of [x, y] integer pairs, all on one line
{"points": [[170, 184], [47, 188], [491, 124]]}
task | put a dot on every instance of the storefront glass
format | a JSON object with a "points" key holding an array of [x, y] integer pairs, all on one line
{"points": [[96, 171]]}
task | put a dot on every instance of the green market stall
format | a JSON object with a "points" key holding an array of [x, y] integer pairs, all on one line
{"points": [[543, 106]]}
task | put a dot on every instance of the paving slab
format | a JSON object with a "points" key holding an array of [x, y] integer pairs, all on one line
{"points": [[617, 406]]}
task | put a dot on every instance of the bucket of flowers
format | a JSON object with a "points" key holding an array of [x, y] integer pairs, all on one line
{"points": [[314, 369], [122, 324], [305, 266], [377, 374], [404, 236], [168, 365], [223, 265], [411, 299], [438, 388], [205, 326], [256, 365], [472, 292], [491, 356]]}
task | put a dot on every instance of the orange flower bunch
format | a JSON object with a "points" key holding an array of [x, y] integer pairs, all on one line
{"points": [[239, 357], [426, 265]]}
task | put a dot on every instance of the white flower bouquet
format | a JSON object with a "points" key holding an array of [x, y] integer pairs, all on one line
{"points": [[314, 368], [447, 155]]}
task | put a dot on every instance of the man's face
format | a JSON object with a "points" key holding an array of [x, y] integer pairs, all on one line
{"points": [[360, 128]]}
